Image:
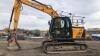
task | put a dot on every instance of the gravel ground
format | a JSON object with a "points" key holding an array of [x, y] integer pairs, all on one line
{"points": [[33, 48]]}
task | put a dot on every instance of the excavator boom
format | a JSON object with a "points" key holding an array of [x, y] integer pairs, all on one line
{"points": [[35, 4], [42, 7]]}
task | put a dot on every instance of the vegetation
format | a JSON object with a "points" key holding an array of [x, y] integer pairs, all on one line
{"points": [[35, 33], [6, 30]]}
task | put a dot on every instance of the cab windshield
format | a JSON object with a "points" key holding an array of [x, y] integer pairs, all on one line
{"points": [[57, 23]]}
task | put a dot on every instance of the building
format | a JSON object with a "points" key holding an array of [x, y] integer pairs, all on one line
{"points": [[91, 32], [2, 32]]}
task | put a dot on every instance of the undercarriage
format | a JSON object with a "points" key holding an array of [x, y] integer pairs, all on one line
{"points": [[63, 47]]}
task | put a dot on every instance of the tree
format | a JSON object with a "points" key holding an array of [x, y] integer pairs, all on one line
{"points": [[36, 33], [6, 30]]}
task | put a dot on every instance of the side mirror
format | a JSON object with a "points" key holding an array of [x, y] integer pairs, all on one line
{"points": [[49, 22]]}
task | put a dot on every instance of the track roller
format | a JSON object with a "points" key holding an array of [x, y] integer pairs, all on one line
{"points": [[59, 47]]}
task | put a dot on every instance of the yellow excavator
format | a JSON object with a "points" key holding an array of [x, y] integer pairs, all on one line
{"points": [[60, 28]]}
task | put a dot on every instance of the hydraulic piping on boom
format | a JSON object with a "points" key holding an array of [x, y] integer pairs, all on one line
{"points": [[60, 30]]}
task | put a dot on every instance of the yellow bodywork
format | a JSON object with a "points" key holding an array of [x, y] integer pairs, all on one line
{"points": [[78, 32]]}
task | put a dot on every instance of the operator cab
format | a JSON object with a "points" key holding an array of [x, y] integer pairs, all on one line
{"points": [[61, 29]]}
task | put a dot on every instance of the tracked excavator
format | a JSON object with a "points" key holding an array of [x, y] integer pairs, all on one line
{"points": [[60, 29]]}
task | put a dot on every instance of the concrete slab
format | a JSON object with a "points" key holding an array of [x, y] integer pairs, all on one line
{"points": [[2, 53]]}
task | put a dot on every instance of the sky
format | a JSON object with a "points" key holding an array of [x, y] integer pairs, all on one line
{"points": [[32, 18]]}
